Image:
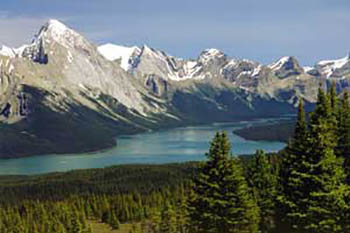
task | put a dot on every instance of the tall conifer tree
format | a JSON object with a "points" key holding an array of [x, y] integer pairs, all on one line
{"points": [[333, 98], [343, 149], [294, 165], [221, 201], [326, 175], [312, 192], [263, 180]]}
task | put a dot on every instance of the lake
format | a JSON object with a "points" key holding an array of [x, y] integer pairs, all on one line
{"points": [[166, 146]]}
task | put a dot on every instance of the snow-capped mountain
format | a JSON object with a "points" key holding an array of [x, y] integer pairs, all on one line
{"points": [[62, 93], [286, 66], [338, 68]]}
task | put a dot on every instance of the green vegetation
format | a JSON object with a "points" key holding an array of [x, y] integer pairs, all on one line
{"points": [[281, 131], [303, 189], [69, 202], [314, 193], [221, 201], [262, 178]]}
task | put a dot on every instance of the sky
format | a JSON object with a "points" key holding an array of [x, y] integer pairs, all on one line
{"points": [[310, 30]]}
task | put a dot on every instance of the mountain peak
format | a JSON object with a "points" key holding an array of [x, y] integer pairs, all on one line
{"points": [[57, 26], [286, 66], [55, 29], [210, 54], [287, 61]]}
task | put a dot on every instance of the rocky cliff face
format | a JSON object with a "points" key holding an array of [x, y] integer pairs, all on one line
{"points": [[62, 93]]}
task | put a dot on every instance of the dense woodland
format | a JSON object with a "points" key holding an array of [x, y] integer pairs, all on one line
{"points": [[280, 131], [302, 189]]}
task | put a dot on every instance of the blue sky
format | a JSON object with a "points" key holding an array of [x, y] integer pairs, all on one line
{"points": [[255, 29]]}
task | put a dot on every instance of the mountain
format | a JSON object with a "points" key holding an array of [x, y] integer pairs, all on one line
{"points": [[62, 94], [338, 68]]}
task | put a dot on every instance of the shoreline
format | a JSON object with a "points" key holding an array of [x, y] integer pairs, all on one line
{"points": [[112, 142]]}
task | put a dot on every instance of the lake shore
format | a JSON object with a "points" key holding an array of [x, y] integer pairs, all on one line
{"points": [[180, 144]]}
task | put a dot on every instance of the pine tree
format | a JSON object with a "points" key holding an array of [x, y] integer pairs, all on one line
{"points": [[221, 201], [312, 180], [343, 149], [263, 180], [333, 98], [323, 124], [294, 165], [326, 174]]}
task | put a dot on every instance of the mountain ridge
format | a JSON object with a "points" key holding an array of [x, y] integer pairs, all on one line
{"points": [[59, 94]]}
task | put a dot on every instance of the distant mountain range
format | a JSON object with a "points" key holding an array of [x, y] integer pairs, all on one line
{"points": [[61, 93]]}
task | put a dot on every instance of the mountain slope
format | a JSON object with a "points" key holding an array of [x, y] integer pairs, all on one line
{"points": [[61, 93]]}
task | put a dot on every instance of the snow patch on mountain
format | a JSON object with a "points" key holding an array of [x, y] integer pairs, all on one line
{"points": [[12, 52], [191, 70], [327, 67], [279, 64], [19, 51], [308, 68], [210, 54], [232, 63], [334, 63], [7, 52], [257, 71], [113, 52]]}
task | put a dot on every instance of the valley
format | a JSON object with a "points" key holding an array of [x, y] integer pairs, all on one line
{"points": [[63, 94]]}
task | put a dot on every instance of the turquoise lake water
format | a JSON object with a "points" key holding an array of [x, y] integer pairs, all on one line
{"points": [[167, 146]]}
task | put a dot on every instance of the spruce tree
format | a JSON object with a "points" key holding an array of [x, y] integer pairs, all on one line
{"points": [[221, 201], [333, 98], [323, 124], [263, 180], [312, 181], [343, 149], [294, 165]]}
